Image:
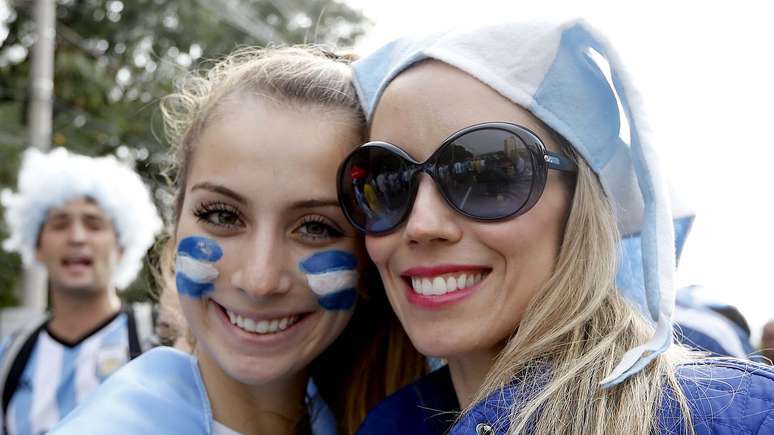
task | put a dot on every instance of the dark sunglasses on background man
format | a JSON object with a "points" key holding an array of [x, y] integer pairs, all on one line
{"points": [[487, 172]]}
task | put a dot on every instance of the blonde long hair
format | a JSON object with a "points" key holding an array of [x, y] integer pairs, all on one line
{"points": [[573, 333], [372, 357]]}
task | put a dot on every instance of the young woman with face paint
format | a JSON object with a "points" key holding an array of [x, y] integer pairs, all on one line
{"points": [[516, 152], [287, 333]]}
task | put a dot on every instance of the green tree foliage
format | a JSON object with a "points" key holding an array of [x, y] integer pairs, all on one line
{"points": [[115, 59]]}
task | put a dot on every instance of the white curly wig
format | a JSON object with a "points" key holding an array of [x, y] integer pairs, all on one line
{"points": [[50, 180]]}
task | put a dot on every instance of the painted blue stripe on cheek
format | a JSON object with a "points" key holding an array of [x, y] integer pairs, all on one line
{"points": [[343, 300], [191, 288], [200, 248], [328, 261]]}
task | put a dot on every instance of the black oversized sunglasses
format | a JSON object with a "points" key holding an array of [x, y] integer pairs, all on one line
{"points": [[488, 172]]}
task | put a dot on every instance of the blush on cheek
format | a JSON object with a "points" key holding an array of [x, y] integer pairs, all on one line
{"points": [[194, 266], [333, 278]]}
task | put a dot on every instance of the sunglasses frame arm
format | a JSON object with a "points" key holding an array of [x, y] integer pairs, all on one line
{"points": [[559, 162]]}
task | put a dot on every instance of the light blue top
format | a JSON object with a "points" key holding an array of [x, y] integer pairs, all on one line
{"points": [[160, 393]]}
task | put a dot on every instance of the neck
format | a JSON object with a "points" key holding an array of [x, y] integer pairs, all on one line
{"points": [[274, 408], [468, 372], [74, 316]]}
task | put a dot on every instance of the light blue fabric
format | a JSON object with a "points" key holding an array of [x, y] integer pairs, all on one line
{"points": [[22, 400], [159, 393], [629, 278], [569, 77], [57, 377]]}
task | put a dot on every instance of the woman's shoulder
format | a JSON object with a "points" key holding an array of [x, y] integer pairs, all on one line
{"points": [[725, 396], [159, 392], [427, 406]]}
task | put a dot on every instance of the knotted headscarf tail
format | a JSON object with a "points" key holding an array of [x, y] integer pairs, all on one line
{"points": [[569, 77]]}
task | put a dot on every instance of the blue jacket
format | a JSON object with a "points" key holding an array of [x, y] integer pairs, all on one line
{"points": [[726, 397]]}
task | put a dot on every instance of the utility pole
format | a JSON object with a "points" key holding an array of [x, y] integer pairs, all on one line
{"points": [[40, 115]]}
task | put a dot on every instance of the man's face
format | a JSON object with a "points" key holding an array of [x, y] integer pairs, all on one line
{"points": [[78, 246]]}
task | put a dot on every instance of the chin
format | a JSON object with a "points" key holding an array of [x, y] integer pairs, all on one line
{"points": [[256, 371], [439, 345], [80, 288]]}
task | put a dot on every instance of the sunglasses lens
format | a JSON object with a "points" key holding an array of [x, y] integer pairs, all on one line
{"points": [[487, 173], [375, 189]]}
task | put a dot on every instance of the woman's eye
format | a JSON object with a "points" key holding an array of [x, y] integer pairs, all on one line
{"points": [[317, 229], [223, 218], [219, 215]]}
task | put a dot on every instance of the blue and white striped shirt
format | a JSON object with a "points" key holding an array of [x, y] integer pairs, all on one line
{"points": [[59, 376]]}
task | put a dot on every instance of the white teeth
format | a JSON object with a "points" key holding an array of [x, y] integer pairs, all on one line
{"points": [[439, 286], [261, 326], [451, 284]]}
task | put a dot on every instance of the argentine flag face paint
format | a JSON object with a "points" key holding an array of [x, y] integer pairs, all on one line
{"points": [[194, 269], [333, 277]]}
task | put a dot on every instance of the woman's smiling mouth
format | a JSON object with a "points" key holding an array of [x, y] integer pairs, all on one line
{"points": [[265, 326], [260, 326], [439, 285]]}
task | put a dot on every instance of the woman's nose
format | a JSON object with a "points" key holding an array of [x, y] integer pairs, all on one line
{"points": [[263, 267], [431, 219]]}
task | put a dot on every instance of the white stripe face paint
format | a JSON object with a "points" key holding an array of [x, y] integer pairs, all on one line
{"points": [[195, 262], [196, 270], [333, 278], [328, 283]]}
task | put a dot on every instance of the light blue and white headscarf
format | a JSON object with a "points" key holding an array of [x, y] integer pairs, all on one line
{"points": [[571, 79]]}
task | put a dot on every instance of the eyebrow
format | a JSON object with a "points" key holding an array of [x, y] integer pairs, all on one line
{"points": [[314, 203], [225, 191]]}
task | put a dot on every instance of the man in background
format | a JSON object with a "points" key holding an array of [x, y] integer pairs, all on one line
{"points": [[88, 222]]}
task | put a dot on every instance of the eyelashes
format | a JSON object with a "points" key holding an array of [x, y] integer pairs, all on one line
{"points": [[219, 214], [312, 228], [319, 228]]}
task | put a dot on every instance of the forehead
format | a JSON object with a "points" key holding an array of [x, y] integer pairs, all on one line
{"points": [[80, 206], [432, 100], [273, 150]]}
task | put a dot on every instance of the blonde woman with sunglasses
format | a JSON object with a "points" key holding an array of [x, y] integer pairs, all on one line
{"points": [[529, 241]]}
